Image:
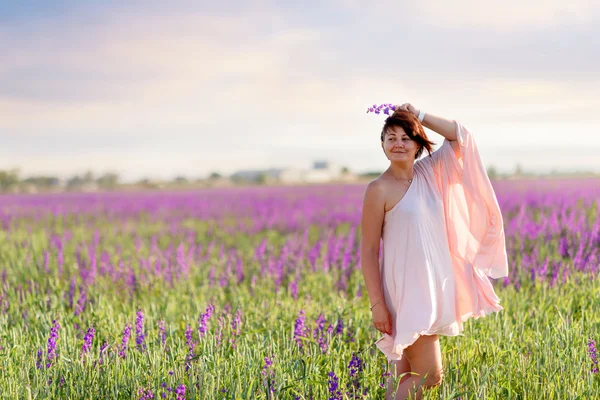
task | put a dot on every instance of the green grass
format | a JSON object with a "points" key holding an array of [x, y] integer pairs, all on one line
{"points": [[535, 348]]}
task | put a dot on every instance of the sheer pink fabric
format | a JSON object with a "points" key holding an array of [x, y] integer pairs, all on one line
{"points": [[440, 243]]}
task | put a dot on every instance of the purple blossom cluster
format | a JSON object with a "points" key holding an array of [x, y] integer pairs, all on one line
{"points": [[87, 341], [385, 108], [219, 330], [162, 335], [354, 385], [145, 394], [79, 308], [333, 385], [39, 360], [321, 334], [236, 327], [268, 373], [191, 344], [180, 392], [101, 355], [203, 322], [124, 341], [139, 331], [593, 355], [52, 342], [300, 328]]}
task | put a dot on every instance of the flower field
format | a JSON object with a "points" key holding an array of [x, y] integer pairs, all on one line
{"points": [[257, 293]]}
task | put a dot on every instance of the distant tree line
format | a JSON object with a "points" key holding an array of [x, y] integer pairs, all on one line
{"points": [[11, 180]]}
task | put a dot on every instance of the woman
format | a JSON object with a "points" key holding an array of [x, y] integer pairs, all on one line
{"points": [[442, 237]]}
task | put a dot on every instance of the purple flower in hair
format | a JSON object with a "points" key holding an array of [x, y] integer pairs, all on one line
{"points": [[385, 108]]}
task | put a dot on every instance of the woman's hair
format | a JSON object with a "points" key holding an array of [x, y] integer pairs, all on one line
{"points": [[413, 128]]}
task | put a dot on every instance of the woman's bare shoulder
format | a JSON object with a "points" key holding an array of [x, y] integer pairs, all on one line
{"points": [[377, 189], [379, 184]]}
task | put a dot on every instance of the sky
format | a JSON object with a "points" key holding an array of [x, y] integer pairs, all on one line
{"points": [[156, 89]]}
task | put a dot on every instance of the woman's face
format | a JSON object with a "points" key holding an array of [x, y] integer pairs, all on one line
{"points": [[398, 146]]}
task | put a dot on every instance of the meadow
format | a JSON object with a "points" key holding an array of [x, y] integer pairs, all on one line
{"points": [[257, 293]]}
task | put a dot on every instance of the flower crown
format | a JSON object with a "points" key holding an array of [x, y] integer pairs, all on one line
{"points": [[377, 109]]}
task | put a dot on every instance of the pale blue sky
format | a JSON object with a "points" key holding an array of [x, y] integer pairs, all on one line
{"points": [[150, 89]]}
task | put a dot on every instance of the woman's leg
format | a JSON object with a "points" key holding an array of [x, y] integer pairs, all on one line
{"points": [[398, 367], [425, 358]]}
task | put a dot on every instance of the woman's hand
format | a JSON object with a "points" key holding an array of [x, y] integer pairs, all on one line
{"points": [[410, 108], [382, 319]]}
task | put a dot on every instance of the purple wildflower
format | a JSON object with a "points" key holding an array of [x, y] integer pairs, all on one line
{"points": [[202, 323], [386, 108], [339, 327], [384, 375], [71, 292], [102, 348], [300, 329], [126, 335], [191, 344], [268, 363], [161, 332], [593, 355], [237, 322], [236, 327], [52, 342], [180, 392], [145, 394], [350, 332], [293, 288], [320, 324], [189, 338], [355, 367], [38, 362], [81, 301], [139, 331], [219, 332], [321, 334], [334, 392], [87, 341]]}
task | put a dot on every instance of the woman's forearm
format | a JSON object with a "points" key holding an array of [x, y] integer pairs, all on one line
{"points": [[443, 126], [370, 269]]}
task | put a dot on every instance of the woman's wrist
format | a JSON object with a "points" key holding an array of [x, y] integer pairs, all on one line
{"points": [[376, 303]]}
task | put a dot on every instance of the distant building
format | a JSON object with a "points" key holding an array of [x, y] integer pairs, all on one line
{"points": [[321, 171], [320, 165]]}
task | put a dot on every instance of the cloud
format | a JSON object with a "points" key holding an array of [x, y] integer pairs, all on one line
{"points": [[239, 82], [493, 15], [508, 14], [131, 67]]}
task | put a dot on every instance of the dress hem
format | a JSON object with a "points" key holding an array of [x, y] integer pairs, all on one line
{"points": [[386, 346]]}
